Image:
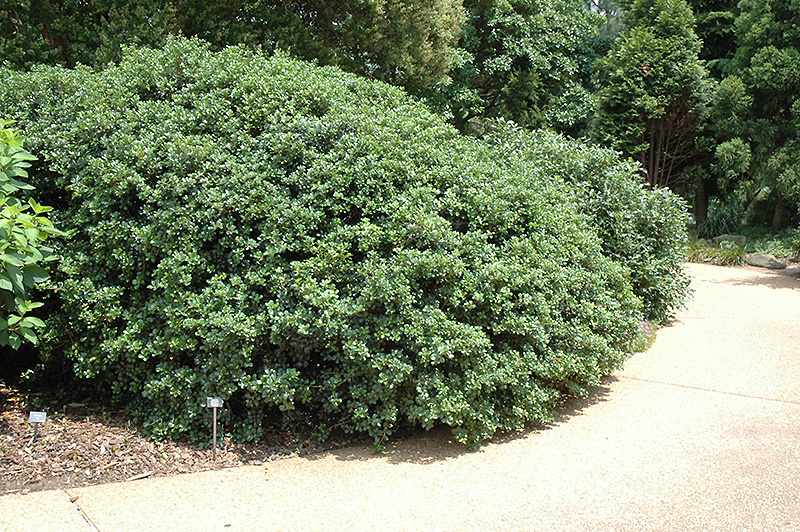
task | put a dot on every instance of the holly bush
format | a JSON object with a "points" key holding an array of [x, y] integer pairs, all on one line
{"points": [[296, 239], [642, 228]]}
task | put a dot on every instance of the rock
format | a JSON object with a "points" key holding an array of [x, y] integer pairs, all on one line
{"points": [[738, 240], [764, 261], [702, 243]]}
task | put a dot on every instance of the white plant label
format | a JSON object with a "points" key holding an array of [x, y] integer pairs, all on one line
{"points": [[214, 402]]}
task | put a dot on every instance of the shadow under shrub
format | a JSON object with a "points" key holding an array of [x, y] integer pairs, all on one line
{"points": [[292, 238]]}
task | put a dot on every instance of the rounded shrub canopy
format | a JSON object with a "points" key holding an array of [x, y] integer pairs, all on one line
{"points": [[296, 239]]}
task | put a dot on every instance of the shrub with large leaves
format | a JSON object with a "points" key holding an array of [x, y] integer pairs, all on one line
{"points": [[23, 232], [292, 238]]}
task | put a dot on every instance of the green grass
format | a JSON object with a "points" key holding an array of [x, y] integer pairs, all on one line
{"points": [[730, 256], [784, 244]]}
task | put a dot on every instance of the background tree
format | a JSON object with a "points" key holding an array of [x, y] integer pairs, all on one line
{"points": [[714, 24], [757, 110], [653, 91], [404, 42], [612, 15], [524, 60], [69, 32], [715, 28]]}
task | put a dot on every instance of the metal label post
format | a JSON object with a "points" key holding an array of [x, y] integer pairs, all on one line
{"points": [[36, 418], [213, 403]]}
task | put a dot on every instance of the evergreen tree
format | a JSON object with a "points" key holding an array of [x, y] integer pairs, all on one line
{"points": [[653, 91], [715, 28], [524, 60], [757, 109]]}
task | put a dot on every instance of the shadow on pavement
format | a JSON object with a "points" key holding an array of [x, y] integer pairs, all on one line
{"points": [[775, 279], [437, 445]]}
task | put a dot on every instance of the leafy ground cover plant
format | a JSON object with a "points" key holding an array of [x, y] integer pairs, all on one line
{"points": [[298, 240], [785, 243]]}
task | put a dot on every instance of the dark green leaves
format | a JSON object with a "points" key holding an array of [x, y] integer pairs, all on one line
{"points": [[303, 242]]}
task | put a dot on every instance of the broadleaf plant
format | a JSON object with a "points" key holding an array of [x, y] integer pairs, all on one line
{"points": [[23, 233]]}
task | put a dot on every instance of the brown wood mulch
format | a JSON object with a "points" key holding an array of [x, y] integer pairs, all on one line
{"points": [[82, 444]]}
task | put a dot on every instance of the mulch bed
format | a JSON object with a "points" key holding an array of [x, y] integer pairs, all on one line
{"points": [[82, 444]]}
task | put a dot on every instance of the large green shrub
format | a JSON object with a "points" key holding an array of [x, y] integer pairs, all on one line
{"points": [[295, 238], [643, 229]]}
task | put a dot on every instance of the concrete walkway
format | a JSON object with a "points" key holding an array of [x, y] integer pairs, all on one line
{"points": [[701, 433]]}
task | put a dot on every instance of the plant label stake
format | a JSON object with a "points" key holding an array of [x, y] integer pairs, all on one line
{"points": [[213, 403], [36, 418]]}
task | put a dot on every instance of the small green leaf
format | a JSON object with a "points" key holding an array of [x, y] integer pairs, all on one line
{"points": [[15, 275], [12, 259], [19, 184], [29, 335], [14, 340], [31, 322], [38, 273], [32, 233]]}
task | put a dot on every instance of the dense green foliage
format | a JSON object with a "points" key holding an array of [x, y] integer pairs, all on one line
{"points": [[69, 32], [293, 238], [653, 91], [530, 61], [24, 231], [734, 153], [758, 111], [405, 42], [644, 229], [523, 60], [715, 28]]}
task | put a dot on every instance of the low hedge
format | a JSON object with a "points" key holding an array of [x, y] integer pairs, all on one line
{"points": [[296, 239]]}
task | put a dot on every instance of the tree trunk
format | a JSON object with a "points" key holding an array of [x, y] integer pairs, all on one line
{"points": [[701, 201], [780, 213]]}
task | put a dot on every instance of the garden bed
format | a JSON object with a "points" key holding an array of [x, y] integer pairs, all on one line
{"points": [[82, 444]]}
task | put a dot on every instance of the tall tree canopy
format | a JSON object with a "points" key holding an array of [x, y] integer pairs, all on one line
{"points": [[405, 42], [524, 60], [653, 90], [758, 109], [715, 27]]}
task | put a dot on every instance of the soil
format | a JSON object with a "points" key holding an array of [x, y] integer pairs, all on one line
{"points": [[82, 444]]}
